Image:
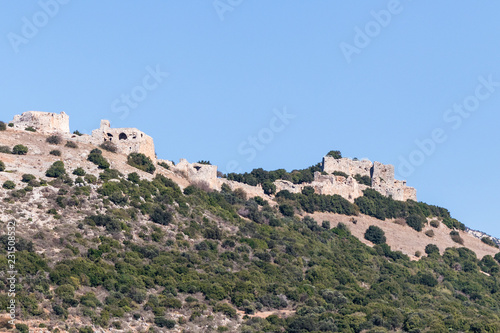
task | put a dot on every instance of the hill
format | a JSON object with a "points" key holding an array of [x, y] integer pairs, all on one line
{"points": [[115, 242]]}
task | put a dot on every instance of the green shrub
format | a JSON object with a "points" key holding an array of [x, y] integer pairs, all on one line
{"points": [[161, 216], [269, 188], [19, 150], [364, 180], [30, 129], [375, 235], [134, 177], [286, 210], [55, 152], [164, 322], [204, 162], [141, 162], [429, 233], [90, 179], [2, 166], [22, 328], [77, 132], [54, 140], [3, 126], [164, 165], [96, 157], [9, 185], [56, 170], [71, 144], [489, 241], [26, 178], [109, 146], [79, 172], [336, 154], [415, 221]]}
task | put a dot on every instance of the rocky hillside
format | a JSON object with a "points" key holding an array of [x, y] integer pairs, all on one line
{"points": [[107, 242]]}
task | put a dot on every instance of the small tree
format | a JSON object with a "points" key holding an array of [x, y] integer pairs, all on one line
{"points": [[336, 154], [416, 221], [375, 235], [269, 188], [56, 170], [431, 248], [286, 210], [2, 166], [19, 150], [3, 126]]}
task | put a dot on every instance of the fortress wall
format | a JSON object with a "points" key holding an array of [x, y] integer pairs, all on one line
{"points": [[43, 122], [128, 140], [347, 166]]}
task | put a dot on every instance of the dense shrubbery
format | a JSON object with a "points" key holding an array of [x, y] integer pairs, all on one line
{"points": [[30, 129], [79, 172], [264, 261], [311, 202], [375, 204], [2, 166], [19, 150], [261, 176], [141, 162], [375, 235], [55, 152], [455, 236], [96, 157]]}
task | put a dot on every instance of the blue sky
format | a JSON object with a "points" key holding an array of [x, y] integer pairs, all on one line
{"points": [[249, 84]]}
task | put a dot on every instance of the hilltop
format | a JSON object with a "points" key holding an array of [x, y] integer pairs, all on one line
{"points": [[111, 238]]}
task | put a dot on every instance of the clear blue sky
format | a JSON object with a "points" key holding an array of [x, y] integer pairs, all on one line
{"points": [[368, 78]]}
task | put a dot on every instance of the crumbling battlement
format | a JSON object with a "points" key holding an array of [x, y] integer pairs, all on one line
{"points": [[382, 177], [44, 122], [128, 140]]}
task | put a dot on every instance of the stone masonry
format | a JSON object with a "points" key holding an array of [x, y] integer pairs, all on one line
{"points": [[128, 140], [44, 122]]}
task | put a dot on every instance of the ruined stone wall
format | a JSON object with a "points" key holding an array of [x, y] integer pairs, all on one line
{"points": [[348, 187], [128, 140], [43, 122], [197, 172], [382, 176], [347, 166]]}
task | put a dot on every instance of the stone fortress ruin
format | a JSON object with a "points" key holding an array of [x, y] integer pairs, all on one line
{"points": [[127, 140], [131, 140]]}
